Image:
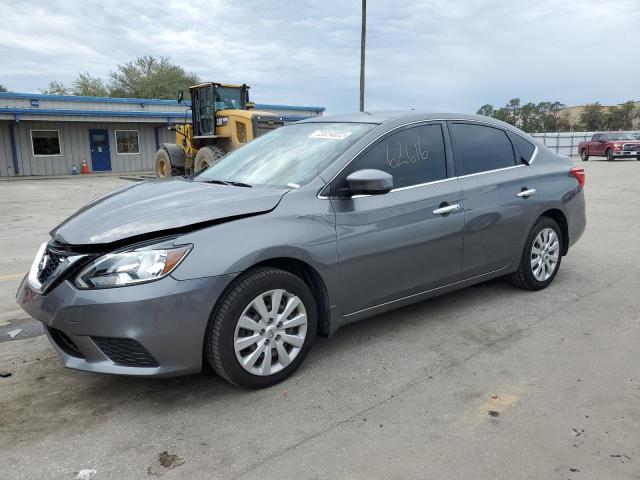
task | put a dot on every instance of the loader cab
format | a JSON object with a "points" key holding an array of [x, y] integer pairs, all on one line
{"points": [[209, 98]]}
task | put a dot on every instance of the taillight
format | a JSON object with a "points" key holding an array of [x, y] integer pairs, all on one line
{"points": [[578, 174]]}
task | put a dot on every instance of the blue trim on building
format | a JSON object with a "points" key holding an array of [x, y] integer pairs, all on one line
{"points": [[97, 113], [138, 101], [75, 98], [289, 107]]}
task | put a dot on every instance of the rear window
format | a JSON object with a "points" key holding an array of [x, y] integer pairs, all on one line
{"points": [[479, 148], [524, 148]]}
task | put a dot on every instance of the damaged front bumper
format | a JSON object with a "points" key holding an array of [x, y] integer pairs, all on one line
{"points": [[152, 329]]}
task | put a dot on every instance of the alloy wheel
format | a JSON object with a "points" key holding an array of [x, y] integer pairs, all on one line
{"points": [[270, 332], [545, 251]]}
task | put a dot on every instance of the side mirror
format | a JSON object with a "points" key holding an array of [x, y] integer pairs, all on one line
{"points": [[369, 182], [602, 140], [180, 96]]}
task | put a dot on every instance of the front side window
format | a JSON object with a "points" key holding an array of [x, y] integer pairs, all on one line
{"points": [[45, 142], [288, 156], [479, 148], [227, 97], [127, 142], [412, 156]]}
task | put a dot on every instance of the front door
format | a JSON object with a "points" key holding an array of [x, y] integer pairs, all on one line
{"points": [[401, 243], [100, 155]]}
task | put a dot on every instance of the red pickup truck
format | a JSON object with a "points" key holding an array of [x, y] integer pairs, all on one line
{"points": [[611, 145]]}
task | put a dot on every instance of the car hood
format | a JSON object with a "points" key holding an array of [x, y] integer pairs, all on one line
{"points": [[148, 209]]}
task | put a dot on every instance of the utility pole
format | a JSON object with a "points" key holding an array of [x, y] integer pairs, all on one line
{"points": [[363, 35]]}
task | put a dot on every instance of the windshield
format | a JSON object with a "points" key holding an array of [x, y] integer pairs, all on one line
{"points": [[228, 98], [288, 157], [620, 136]]}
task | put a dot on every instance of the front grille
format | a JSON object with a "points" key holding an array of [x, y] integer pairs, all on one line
{"points": [[65, 344], [631, 146], [125, 351], [50, 262]]}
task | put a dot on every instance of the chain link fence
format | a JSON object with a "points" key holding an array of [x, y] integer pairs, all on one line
{"points": [[566, 143]]}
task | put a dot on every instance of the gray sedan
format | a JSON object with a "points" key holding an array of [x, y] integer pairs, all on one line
{"points": [[310, 227]]}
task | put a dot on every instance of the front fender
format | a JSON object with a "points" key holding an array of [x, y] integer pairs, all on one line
{"points": [[236, 246]]}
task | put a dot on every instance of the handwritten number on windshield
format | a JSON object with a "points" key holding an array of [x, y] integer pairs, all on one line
{"points": [[407, 152]]}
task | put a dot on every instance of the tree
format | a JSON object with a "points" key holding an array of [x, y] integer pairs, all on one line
{"points": [[3, 88], [486, 110], [56, 88], [620, 117], [531, 118], [514, 111], [592, 117], [150, 77], [89, 86], [503, 114]]}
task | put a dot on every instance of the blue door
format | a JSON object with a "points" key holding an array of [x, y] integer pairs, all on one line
{"points": [[99, 143]]}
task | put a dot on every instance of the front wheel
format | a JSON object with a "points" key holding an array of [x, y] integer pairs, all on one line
{"points": [[541, 257], [262, 329], [609, 154], [206, 157], [584, 156]]}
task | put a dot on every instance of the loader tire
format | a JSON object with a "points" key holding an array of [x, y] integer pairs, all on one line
{"points": [[164, 169], [206, 157]]}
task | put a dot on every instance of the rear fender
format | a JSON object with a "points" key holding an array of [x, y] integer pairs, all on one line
{"points": [[176, 154]]}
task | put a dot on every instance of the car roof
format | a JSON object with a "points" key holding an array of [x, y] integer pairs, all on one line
{"points": [[380, 117]]}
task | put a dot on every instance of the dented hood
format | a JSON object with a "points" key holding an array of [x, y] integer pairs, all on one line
{"points": [[163, 207]]}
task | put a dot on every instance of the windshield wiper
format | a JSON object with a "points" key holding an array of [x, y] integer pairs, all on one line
{"points": [[228, 182]]}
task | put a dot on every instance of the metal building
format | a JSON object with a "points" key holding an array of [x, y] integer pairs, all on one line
{"points": [[49, 134]]}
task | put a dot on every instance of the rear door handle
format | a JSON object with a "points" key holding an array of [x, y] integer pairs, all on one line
{"points": [[446, 209], [526, 193]]}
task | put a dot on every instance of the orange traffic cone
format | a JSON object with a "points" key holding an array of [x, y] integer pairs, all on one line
{"points": [[84, 168]]}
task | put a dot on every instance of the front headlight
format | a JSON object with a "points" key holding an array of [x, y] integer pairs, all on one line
{"points": [[131, 267]]}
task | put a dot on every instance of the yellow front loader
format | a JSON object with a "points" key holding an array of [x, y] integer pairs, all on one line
{"points": [[222, 119]]}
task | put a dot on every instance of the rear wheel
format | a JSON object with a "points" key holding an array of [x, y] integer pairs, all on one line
{"points": [[541, 257], [584, 156], [262, 329], [609, 155], [206, 157]]}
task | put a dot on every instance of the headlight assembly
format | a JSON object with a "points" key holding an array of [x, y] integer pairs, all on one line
{"points": [[131, 267]]}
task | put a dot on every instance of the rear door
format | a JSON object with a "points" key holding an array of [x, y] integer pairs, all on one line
{"points": [[500, 195], [395, 245]]}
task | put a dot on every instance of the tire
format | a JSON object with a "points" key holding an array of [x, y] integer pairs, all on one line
{"points": [[206, 157], [526, 276], [609, 155], [225, 330], [163, 164], [584, 155]]}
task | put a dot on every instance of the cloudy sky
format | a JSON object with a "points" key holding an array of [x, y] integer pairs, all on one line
{"points": [[432, 54]]}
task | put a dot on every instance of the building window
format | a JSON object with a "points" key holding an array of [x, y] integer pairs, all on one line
{"points": [[45, 143], [127, 142]]}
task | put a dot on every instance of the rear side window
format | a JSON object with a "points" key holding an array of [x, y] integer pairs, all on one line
{"points": [[478, 148], [412, 156], [524, 148]]}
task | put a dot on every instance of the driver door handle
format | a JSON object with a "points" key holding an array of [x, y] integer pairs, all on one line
{"points": [[526, 193], [446, 209]]}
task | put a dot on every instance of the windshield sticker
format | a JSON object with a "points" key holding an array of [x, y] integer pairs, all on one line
{"points": [[330, 134]]}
